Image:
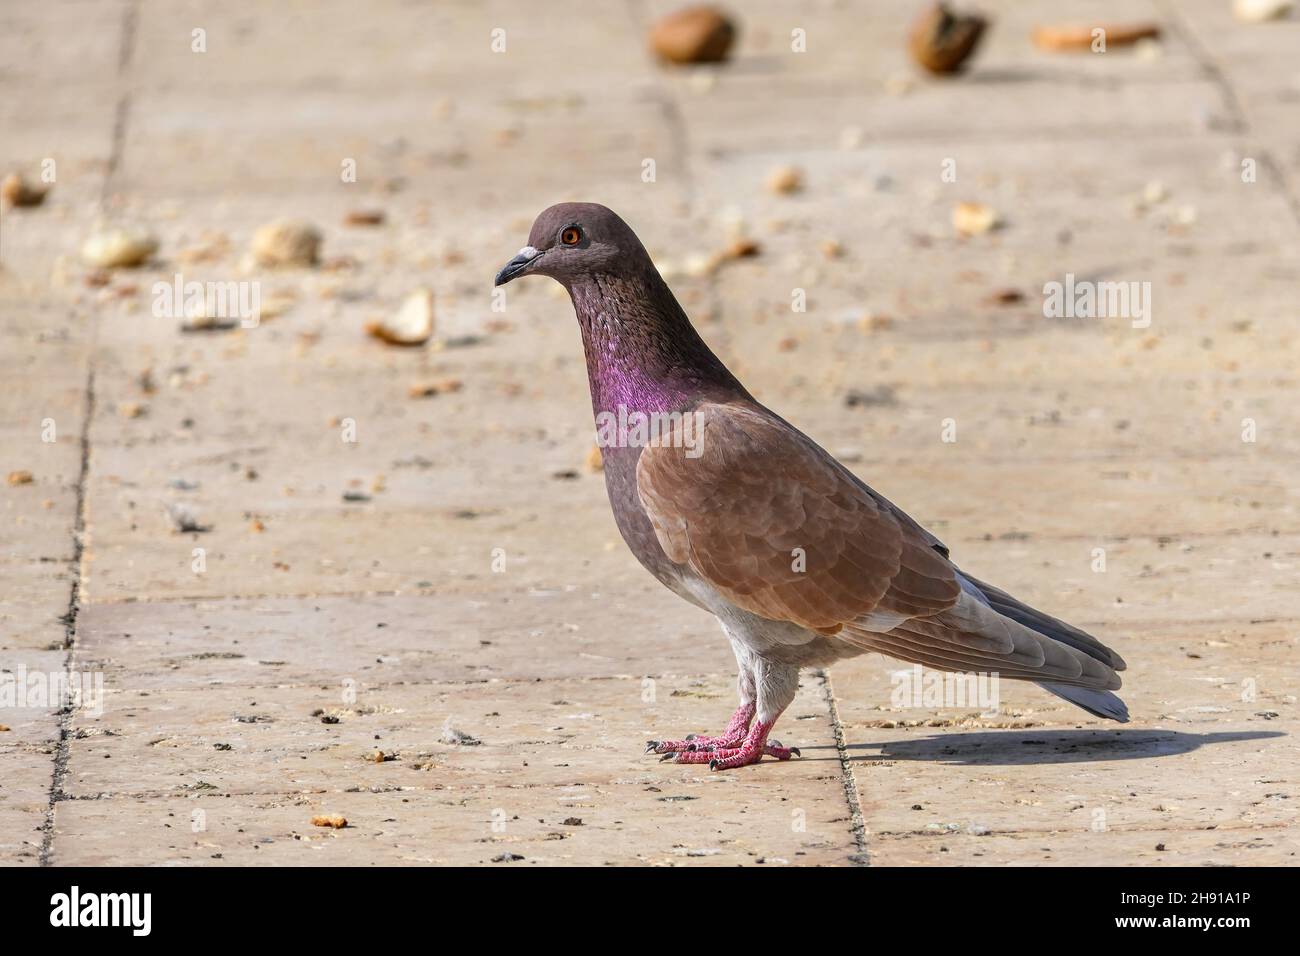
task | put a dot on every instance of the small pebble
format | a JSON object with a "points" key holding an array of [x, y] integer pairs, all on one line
{"points": [[364, 217], [941, 41], [411, 325], [444, 386], [785, 180], [973, 218], [17, 191], [119, 248], [694, 35], [286, 242], [1259, 11]]}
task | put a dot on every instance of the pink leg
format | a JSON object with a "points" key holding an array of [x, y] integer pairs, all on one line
{"points": [[731, 737], [751, 750]]}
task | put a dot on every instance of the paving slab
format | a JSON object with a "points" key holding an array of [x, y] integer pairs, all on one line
{"points": [[398, 638], [259, 769]]}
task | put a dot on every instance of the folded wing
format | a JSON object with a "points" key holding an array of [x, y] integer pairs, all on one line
{"points": [[779, 528]]}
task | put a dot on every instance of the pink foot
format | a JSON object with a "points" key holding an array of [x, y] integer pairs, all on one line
{"points": [[751, 750], [733, 736]]}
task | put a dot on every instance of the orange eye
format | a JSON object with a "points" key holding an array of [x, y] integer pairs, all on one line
{"points": [[571, 236]]}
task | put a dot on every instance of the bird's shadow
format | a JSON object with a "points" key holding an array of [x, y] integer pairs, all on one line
{"points": [[1024, 747]]}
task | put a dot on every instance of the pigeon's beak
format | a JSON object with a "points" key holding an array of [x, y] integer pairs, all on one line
{"points": [[518, 265]]}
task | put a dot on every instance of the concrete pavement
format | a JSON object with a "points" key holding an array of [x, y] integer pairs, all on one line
{"points": [[473, 581]]}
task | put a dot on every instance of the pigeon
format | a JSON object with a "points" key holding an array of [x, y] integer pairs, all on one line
{"points": [[740, 513]]}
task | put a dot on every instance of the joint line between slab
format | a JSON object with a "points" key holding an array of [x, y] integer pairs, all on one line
{"points": [[1205, 60], [862, 856], [61, 751], [122, 114], [1234, 103]]}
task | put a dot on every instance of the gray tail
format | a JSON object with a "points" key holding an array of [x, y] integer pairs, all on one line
{"points": [[1099, 703], [1096, 701]]}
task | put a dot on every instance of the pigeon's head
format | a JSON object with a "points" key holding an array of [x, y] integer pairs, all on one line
{"points": [[574, 239]]}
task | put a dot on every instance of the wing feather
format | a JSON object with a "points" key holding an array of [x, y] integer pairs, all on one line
{"points": [[781, 529], [778, 528]]}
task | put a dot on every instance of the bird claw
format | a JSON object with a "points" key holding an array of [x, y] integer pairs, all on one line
{"points": [[690, 744], [667, 746], [726, 758], [737, 746]]}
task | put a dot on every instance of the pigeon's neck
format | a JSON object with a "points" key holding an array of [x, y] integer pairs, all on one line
{"points": [[642, 352]]}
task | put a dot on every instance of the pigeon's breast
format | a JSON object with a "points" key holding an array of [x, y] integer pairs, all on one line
{"points": [[775, 640], [634, 526]]}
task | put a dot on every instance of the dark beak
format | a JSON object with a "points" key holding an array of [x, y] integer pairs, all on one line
{"points": [[518, 265]]}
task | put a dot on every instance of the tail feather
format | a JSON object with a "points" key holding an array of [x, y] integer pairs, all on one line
{"points": [[1045, 624], [986, 629], [1099, 703], [1096, 700]]}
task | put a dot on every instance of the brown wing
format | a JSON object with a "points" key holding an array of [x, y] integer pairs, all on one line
{"points": [[780, 529]]}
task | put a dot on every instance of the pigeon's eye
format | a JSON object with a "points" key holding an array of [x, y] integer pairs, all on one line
{"points": [[571, 235]]}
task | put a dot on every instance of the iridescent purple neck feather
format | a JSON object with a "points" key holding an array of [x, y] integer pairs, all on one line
{"points": [[642, 351]]}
